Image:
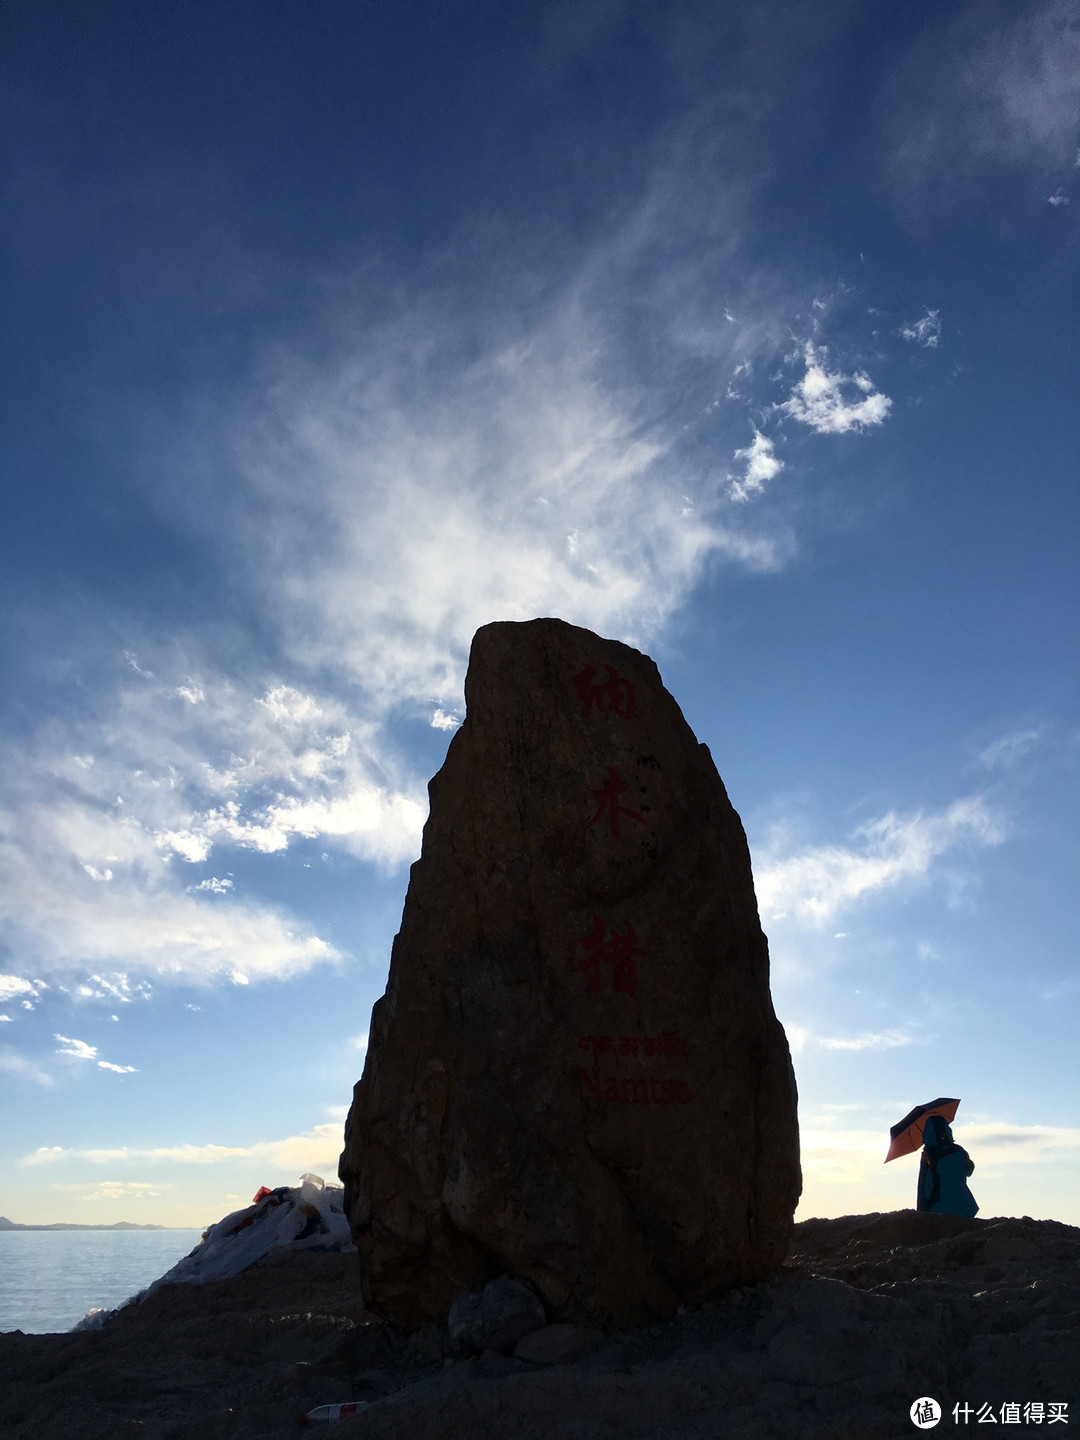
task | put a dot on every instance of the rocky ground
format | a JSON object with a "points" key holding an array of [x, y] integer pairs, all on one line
{"points": [[870, 1312]]}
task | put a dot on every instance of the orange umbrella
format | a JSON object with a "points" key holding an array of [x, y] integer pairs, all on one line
{"points": [[907, 1133]]}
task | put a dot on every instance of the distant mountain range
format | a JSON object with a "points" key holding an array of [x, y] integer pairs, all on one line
{"points": [[6, 1224]]}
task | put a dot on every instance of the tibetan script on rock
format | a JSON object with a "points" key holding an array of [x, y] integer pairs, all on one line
{"points": [[632, 1046]]}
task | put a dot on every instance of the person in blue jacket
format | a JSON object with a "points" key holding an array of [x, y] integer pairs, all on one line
{"points": [[943, 1172]]}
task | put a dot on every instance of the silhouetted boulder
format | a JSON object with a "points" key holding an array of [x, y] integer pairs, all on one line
{"points": [[575, 1076]]}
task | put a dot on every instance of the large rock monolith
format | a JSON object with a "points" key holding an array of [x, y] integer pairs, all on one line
{"points": [[575, 1076]]}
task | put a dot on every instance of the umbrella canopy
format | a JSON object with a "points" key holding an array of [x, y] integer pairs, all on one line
{"points": [[907, 1133]]}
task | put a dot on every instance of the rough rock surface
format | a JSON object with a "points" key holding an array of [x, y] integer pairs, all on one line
{"points": [[869, 1313], [576, 1076], [496, 1317], [558, 1344]]}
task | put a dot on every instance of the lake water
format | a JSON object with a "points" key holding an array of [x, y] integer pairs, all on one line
{"points": [[49, 1279]]}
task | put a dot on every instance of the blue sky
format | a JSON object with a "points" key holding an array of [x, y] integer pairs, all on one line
{"points": [[746, 334]]}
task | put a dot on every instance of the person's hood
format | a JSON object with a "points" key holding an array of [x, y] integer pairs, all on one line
{"points": [[936, 1131]]}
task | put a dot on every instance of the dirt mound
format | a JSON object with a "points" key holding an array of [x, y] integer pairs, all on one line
{"points": [[869, 1313]]}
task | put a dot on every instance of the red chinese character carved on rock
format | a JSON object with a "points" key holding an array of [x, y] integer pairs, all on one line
{"points": [[615, 693], [618, 951], [608, 795]]}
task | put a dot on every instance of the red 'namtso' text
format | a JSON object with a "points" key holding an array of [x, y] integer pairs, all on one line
{"points": [[640, 1090]]}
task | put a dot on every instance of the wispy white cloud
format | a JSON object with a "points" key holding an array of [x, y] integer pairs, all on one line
{"points": [[142, 922], [971, 94], [761, 467], [311, 1149], [95, 837], [1004, 753], [430, 453], [119, 1190], [1058, 198], [14, 987], [317, 1149], [184, 1154], [422, 456], [801, 1038], [523, 483], [12, 1062], [889, 1040], [79, 1048], [926, 331], [1024, 1144], [115, 987], [214, 884], [817, 883], [1061, 990], [832, 403]]}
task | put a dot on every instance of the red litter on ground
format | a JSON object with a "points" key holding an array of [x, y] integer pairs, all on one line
{"points": [[333, 1414]]}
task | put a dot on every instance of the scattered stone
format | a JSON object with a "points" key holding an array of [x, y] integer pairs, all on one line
{"points": [[428, 1346], [575, 1076], [559, 1344], [496, 1317]]}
